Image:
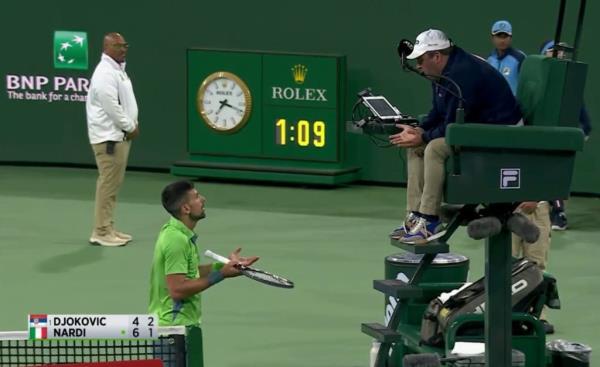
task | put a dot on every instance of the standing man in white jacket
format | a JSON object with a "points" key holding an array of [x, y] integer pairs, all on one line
{"points": [[112, 119]]}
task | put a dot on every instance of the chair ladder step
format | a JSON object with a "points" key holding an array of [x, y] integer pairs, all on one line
{"points": [[381, 333], [429, 248], [397, 288]]}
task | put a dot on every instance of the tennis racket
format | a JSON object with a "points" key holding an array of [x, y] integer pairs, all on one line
{"points": [[253, 273]]}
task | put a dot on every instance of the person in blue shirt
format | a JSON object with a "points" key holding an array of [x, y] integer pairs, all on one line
{"points": [[504, 58], [557, 212], [487, 98]]}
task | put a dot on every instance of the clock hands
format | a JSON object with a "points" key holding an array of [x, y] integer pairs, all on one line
{"points": [[235, 108], [220, 108], [224, 103]]}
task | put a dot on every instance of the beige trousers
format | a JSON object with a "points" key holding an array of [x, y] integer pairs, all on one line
{"points": [[426, 174], [111, 172], [537, 251]]}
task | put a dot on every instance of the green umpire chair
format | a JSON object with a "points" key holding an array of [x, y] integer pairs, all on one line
{"points": [[497, 166]]}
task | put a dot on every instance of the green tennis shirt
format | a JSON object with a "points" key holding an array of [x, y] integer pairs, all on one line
{"points": [[175, 253]]}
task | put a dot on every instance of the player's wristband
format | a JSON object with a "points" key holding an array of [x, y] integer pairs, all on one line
{"points": [[217, 266], [215, 277]]}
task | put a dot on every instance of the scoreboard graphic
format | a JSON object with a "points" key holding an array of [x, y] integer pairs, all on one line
{"points": [[44, 326]]}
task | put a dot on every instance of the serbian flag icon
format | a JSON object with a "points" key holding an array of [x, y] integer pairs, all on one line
{"points": [[38, 327]]}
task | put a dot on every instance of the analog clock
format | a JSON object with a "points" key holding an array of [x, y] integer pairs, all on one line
{"points": [[224, 102]]}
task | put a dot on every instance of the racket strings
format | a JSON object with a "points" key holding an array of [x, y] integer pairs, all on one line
{"points": [[268, 278]]}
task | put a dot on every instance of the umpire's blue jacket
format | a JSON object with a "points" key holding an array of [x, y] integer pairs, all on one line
{"points": [[487, 96]]}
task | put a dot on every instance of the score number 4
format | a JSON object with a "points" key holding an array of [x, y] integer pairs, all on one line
{"points": [[301, 133], [135, 332]]}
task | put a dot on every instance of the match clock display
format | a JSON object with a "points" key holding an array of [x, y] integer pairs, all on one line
{"points": [[266, 116], [301, 133], [224, 102]]}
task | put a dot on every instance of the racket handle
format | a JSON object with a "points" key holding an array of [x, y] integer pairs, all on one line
{"points": [[216, 257]]}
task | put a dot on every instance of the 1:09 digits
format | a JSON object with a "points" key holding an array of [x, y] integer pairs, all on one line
{"points": [[303, 133]]}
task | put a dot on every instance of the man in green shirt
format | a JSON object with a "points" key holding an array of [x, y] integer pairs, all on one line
{"points": [[177, 278]]}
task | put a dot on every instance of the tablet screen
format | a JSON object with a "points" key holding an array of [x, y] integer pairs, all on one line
{"points": [[381, 107]]}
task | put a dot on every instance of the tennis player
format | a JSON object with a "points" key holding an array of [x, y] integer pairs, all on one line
{"points": [[177, 278]]}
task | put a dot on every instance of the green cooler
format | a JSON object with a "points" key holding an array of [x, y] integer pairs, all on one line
{"points": [[446, 268]]}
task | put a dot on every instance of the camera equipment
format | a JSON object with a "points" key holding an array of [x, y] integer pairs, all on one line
{"points": [[383, 116]]}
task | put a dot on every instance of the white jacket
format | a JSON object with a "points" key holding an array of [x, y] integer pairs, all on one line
{"points": [[111, 107]]}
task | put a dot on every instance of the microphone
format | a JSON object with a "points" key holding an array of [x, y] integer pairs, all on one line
{"points": [[523, 227], [484, 227], [405, 48], [460, 110]]}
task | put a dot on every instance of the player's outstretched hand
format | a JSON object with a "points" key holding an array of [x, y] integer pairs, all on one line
{"points": [[245, 261]]}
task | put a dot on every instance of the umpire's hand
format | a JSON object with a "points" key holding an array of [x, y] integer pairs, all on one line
{"points": [[133, 134]]}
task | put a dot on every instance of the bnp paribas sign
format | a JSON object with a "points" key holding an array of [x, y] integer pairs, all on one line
{"points": [[70, 50], [66, 84]]}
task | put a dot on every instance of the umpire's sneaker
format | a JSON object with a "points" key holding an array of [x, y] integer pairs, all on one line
{"points": [[108, 241], [409, 222], [423, 231]]}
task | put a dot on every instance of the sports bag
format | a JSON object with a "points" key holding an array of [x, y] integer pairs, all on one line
{"points": [[527, 286]]}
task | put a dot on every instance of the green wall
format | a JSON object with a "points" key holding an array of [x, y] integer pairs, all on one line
{"points": [[159, 33]]}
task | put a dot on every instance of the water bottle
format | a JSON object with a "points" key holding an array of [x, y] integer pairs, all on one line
{"points": [[373, 354]]}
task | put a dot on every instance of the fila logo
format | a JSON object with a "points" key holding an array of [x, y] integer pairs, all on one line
{"points": [[510, 178]]}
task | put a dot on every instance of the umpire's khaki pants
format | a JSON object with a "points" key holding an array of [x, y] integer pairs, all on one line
{"points": [[537, 251], [426, 174], [111, 172]]}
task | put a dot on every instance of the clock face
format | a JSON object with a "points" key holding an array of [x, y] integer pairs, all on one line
{"points": [[224, 102]]}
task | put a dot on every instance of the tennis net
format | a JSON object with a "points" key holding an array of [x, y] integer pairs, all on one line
{"points": [[17, 350]]}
